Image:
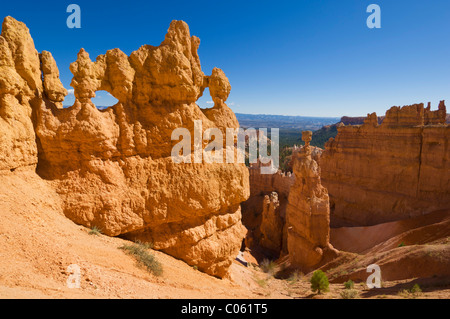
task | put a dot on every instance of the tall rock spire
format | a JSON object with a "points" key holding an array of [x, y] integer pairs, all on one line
{"points": [[308, 213]]}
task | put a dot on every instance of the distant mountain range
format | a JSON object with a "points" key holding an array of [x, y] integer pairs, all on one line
{"points": [[284, 122]]}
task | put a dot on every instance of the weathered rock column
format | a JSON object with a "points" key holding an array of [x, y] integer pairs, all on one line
{"points": [[272, 224], [308, 213]]}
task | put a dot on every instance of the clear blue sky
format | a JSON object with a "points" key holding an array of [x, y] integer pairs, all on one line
{"points": [[303, 57]]}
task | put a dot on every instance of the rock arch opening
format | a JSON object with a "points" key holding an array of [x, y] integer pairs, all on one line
{"points": [[205, 101], [104, 99]]}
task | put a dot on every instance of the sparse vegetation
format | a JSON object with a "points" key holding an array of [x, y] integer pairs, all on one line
{"points": [[144, 258], [261, 282], [268, 266], [349, 284], [319, 282], [320, 137], [343, 273], [294, 277], [349, 294], [95, 231], [404, 293], [414, 292], [416, 289], [402, 244]]}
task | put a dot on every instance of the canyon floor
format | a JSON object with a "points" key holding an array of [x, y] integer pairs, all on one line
{"points": [[38, 243]]}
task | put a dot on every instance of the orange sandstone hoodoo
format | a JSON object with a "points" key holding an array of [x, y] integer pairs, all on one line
{"points": [[308, 213], [113, 168]]}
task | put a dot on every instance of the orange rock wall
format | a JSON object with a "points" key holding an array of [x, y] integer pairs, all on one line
{"points": [[267, 183], [379, 173]]}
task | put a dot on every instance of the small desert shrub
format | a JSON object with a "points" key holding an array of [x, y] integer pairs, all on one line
{"points": [[404, 293], [349, 294], [268, 266], [261, 282], [145, 245], [415, 289], [95, 231], [414, 292], [139, 251], [294, 277], [319, 282], [349, 284], [402, 244]]}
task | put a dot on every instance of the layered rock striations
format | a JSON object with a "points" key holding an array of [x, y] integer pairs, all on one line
{"points": [[400, 168], [113, 168], [308, 213]]}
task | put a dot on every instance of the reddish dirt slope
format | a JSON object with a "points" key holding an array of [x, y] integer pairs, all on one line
{"points": [[417, 230], [38, 243], [413, 248]]}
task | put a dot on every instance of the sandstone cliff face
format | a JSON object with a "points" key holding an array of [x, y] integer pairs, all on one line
{"points": [[266, 183], [113, 168], [308, 213], [20, 83], [399, 169]]}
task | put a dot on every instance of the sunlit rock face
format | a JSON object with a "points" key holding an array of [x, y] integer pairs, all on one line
{"points": [[308, 213], [113, 168], [400, 168]]}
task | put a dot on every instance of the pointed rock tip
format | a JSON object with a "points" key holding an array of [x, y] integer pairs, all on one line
{"points": [[179, 24], [178, 29], [10, 22], [83, 53]]}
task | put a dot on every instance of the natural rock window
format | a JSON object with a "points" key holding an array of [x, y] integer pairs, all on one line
{"points": [[104, 99], [205, 101]]}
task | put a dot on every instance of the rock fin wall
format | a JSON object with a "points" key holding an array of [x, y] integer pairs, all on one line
{"points": [[377, 173]]}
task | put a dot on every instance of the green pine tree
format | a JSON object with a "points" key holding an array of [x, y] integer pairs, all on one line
{"points": [[319, 282]]}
